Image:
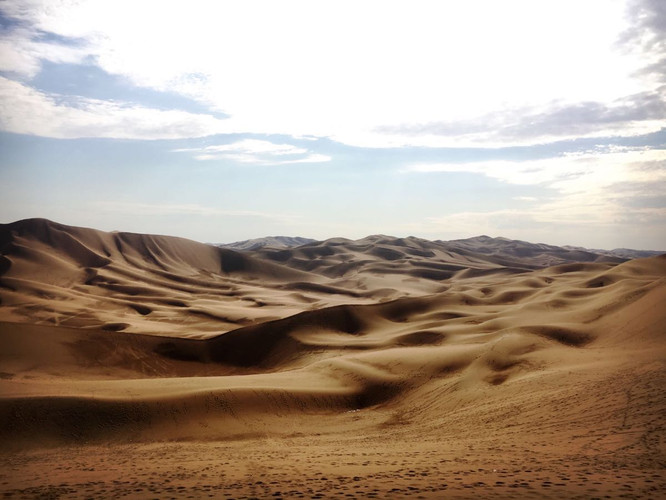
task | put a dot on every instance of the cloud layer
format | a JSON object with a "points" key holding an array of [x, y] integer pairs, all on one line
{"points": [[24, 110], [399, 100], [600, 191], [377, 74]]}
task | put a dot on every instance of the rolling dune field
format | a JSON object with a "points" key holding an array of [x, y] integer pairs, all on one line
{"points": [[141, 366]]}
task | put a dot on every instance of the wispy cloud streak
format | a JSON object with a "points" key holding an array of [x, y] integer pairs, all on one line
{"points": [[257, 152]]}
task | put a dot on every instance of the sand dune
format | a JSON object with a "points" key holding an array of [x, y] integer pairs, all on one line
{"points": [[54, 274], [269, 241], [378, 367], [505, 251]]}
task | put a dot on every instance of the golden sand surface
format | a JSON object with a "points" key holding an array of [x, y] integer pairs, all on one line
{"points": [[142, 366]]}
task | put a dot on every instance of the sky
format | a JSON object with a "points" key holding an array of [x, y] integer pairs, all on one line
{"points": [[227, 120]]}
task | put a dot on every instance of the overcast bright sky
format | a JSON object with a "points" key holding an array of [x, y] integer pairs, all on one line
{"points": [[221, 121]]}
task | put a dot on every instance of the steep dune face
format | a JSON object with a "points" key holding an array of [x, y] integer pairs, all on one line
{"points": [[137, 283], [550, 366], [91, 248]]}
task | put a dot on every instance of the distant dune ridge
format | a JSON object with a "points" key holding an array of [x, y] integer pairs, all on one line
{"points": [[269, 241], [531, 354]]}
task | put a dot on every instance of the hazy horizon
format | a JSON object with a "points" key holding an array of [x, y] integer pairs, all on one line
{"points": [[401, 236], [543, 122]]}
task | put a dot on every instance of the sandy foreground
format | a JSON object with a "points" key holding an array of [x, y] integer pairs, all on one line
{"points": [[153, 367]]}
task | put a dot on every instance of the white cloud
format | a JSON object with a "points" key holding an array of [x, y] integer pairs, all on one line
{"points": [[311, 158], [259, 152], [569, 173], [24, 110], [254, 146], [21, 52], [590, 192], [370, 73], [561, 222]]}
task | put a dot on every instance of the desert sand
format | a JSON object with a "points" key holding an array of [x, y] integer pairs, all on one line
{"points": [[143, 366]]}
